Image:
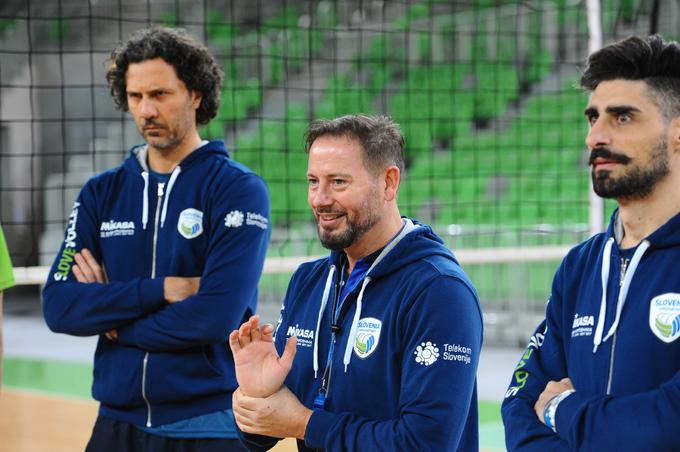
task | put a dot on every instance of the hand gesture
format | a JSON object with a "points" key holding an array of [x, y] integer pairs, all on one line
{"points": [[259, 370]]}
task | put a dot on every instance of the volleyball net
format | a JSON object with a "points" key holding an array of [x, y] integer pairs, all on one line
{"points": [[485, 93]]}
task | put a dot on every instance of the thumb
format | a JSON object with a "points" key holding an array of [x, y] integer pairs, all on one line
{"points": [[289, 354]]}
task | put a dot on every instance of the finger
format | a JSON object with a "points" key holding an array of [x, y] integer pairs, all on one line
{"points": [[234, 343], [255, 328], [94, 265], [244, 334], [267, 332], [247, 404], [78, 274], [112, 335], [289, 354], [85, 268]]}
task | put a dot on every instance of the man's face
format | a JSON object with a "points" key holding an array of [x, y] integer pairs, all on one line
{"points": [[343, 194], [627, 140], [161, 105]]}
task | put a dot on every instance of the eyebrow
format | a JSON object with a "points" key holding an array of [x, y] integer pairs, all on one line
{"points": [[616, 109], [333, 176]]}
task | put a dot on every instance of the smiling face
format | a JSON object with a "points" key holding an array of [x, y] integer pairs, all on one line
{"points": [[161, 105], [344, 196], [627, 140]]}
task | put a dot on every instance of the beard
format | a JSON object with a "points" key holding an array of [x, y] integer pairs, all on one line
{"points": [[162, 138], [636, 182], [355, 229]]}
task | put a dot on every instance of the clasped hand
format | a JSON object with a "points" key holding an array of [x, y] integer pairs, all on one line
{"points": [[262, 404]]}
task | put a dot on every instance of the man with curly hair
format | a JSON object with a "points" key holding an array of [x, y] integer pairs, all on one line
{"points": [[161, 258]]}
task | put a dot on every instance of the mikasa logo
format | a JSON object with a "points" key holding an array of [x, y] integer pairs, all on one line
{"points": [[114, 228]]}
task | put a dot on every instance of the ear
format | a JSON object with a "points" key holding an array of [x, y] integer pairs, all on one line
{"points": [[196, 98], [392, 180]]}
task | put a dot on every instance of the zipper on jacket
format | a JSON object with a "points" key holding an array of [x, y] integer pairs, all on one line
{"points": [[320, 400], [161, 187], [622, 274], [148, 405]]}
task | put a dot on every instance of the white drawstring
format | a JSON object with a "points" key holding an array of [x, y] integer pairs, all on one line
{"points": [[145, 200], [632, 266], [606, 257], [171, 183], [322, 308], [623, 292], [355, 324]]}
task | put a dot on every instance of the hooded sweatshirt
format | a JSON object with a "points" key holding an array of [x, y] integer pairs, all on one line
{"points": [[170, 361], [401, 372], [612, 326]]}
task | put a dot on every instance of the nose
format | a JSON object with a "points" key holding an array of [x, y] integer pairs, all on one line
{"points": [[319, 196], [598, 135], [147, 109]]}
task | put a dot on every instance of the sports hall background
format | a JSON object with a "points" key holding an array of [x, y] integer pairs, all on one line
{"points": [[484, 91]]}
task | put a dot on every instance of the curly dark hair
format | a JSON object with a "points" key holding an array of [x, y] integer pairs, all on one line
{"points": [[192, 61], [651, 60]]}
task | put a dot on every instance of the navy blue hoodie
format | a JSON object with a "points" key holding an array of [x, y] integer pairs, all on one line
{"points": [[171, 361], [619, 347], [407, 381]]}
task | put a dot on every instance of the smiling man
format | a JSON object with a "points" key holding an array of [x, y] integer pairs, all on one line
{"points": [[602, 372], [161, 258], [385, 332]]}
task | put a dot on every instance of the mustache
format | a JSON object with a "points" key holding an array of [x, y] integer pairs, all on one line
{"points": [[151, 122], [608, 155], [326, 210]]}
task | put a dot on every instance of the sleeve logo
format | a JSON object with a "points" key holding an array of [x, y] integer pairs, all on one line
{"points": [[234, 219], [664, 316], [190, 223], [68, 254], [426, 353]]}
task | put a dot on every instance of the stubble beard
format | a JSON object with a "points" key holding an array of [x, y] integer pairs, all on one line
{"points": [[354, 230]]}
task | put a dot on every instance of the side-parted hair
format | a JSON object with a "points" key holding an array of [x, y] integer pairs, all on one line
{"points": [[381, 140], [651, 60], [192, 61]]}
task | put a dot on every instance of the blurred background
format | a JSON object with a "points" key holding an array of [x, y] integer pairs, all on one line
{"points": [[485, 92]]}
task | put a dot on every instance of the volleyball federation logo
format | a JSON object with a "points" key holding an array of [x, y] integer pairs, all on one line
{"points": [[368, 336], [664, 316], [190, 223], [426, 353]]}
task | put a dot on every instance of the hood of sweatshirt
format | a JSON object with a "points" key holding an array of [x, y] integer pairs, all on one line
{"points": [[137, 164], [414, 242]]}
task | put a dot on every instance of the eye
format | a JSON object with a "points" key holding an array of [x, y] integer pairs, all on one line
{"points": [[339, 182], [623, 118], [592, 119], [312, 182]]}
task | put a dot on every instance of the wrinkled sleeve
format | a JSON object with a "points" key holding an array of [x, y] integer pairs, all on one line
{"points": [[85, 309], [236, 253], [436, 392], [644, 421], [543, 360]]}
